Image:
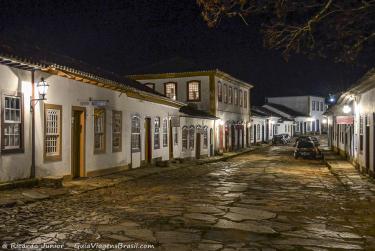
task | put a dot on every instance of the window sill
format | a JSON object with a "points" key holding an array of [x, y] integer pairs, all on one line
{"points": [[99, 151], [12, 151], [52, 158]]}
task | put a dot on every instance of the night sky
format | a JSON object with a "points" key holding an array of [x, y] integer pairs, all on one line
{"points": [[147, 36]]}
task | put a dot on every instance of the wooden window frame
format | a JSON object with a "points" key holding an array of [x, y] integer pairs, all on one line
{"points": [[225, 93], [59, 156], [240, 96], [114, 149], [165, 88], [245, 99], [138, 134], [205, 137], [199, 91], [235, 96], [103, 149], [148, 85], [165, 132], [186, 130], [21, 149], [191, 138], [157, 146]]}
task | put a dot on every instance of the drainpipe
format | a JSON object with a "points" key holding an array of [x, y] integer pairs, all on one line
{"points": [[32, 171]]}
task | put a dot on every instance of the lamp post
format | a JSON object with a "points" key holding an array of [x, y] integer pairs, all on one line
{"points": [[42, 87]]}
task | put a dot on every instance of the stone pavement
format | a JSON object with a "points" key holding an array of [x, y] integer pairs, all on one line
{"points": [[20, 196], [264, 200], [348, 175]]}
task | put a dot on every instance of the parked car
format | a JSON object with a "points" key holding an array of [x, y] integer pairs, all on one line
{"points": [[306, 148], [287, 137], [279, 139], [315, 140], [302, 138]]}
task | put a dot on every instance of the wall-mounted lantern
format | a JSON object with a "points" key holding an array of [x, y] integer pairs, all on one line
{"points": [[346, 109]]}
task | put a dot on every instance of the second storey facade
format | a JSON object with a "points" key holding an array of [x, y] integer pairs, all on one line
{"points": [[216, 92]]}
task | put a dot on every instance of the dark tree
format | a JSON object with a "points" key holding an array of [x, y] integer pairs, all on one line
{"points": [[339, 29]]}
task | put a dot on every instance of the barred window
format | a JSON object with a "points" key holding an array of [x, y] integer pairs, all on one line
{"points": [[220, 91], [241, 98], [175, 135], [230, 95], [12, 123], [157, 133], [170, 90], [205, 137], [235, 96], [225, 93], [136, 134], [165, 133], [52, 132], [116, 131], [99, 130], [185, 133], [193, 90], [191, 137], [245, 99]]}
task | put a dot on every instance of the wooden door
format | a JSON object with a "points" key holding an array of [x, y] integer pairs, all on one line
{"points": [[198, 146], [367, 147], [148, 146], [78, 142]]}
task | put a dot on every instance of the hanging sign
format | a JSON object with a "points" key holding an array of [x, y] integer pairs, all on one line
{"points": [[344, 120]]}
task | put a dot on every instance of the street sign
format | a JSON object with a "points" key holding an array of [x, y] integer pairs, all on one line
{"points": [[344, 120]]}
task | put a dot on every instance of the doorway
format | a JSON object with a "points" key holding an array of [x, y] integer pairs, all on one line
{"points": [[226, 139], [211, 142], [78, 141], [254, 134], [148, 146], [367, 148], [198, 146]]}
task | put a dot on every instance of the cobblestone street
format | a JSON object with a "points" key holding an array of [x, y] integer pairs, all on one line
{"points": [[263, 200]]}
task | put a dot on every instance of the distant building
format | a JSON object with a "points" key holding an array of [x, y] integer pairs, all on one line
{"points": [[306, 111], [215, 92]]}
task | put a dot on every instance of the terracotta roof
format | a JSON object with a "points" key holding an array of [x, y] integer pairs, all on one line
{"points": [[287, 110], [268, 113]]}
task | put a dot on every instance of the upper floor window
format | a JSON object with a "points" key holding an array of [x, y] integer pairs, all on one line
{"points": [[241, 98], [245, 99], [12, 131], [193, 91], [150, 85], [230, 95], [52, 132], [116, 131], [136, 134], [225, 93], [170, 90], [313, 106], [220, 91], [165, 132], [157, 133], [99, 130], [321, 106], [235, 96]]}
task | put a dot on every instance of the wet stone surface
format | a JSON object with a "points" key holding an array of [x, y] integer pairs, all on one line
{"points": [[264, 200]]}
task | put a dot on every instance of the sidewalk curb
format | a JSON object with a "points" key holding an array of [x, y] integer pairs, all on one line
{"points": [[89, 188], [335, 174]]}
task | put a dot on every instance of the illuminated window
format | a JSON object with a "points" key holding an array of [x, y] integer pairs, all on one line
{"points": [[193, 90], [116, 131], [225, 93], [99, 130], [12, 123], [136, 134], [245, 99], [170, 90], [52, 132], [157, 133]]}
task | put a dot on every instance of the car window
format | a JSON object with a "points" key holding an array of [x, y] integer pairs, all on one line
{"points": [[305, 144]]}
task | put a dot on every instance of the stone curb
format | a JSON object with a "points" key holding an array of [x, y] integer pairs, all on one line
{"points": [[88, 188]]}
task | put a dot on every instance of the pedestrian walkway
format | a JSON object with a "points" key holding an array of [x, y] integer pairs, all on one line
{"points": [[348, 175], [20, 196]]}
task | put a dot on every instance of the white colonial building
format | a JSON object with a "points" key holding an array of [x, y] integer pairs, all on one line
{"points": [[351, 124], [90, 122], [306, 111], [215, 92]]}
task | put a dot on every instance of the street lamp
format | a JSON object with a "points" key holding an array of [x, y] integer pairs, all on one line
{"points": [[42, 88]]}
